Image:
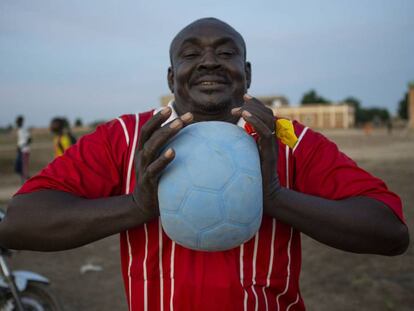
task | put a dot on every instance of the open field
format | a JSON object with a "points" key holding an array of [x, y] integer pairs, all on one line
{"points": [[330, 280]]}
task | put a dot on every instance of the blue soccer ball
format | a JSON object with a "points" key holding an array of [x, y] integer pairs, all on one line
{"points": [[210, 196]]}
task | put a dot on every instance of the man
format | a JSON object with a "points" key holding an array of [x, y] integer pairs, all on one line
{"points": [[24, 139], [107, 183]]}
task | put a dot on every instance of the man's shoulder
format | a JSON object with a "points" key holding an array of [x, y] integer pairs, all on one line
{"points": [[308, 139], [129, 120], [126, 122], [123, 128]]}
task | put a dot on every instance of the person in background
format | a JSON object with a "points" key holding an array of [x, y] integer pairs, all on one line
{"points": [[24, 140], [63, 137]]}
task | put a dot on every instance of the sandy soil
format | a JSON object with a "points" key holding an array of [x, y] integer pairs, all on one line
{"points": [[330, 280]]}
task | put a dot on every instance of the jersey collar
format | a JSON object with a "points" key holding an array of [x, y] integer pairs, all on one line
{"points": [[174, 115]]}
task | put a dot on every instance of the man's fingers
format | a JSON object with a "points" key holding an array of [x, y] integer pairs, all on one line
{"points": [[256, 108], [156, 167], [152, 125], [260, 127], [160, 137]]}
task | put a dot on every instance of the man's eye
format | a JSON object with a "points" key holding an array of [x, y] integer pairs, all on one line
{"points": [[226, 53], [190, 54]]}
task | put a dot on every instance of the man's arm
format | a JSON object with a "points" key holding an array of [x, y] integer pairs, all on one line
{"points": [[51, 220], [357, 224]]}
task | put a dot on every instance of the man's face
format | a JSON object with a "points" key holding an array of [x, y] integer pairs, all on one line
{"points": [[209, 74]]}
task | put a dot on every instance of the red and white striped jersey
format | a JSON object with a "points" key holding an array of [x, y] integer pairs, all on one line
{"points": [[261, 274]]}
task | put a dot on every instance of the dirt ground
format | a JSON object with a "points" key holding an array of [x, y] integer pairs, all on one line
{"points": [[330, 279]]}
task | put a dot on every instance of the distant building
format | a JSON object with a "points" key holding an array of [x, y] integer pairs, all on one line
{"points": [[315, 116], [320, 116]]}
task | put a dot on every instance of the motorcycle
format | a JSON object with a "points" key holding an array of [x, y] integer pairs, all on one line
{"points": [[23, 290]]}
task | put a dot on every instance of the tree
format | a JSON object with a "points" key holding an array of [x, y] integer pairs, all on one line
{"points": [[311, 97], [78, 122], [359, 113], [403, 107], [363, 115]]}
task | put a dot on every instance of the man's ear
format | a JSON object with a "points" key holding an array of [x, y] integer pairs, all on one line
{"points": [[248, 71], [170, 78]]}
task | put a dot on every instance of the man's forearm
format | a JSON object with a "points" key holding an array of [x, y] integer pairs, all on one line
{"points": [[360, 224], [53, 220]]}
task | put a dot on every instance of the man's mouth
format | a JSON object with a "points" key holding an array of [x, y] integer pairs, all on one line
{"points": [[210, 83]]}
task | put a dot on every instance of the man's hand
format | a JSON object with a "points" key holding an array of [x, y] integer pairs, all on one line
{"points": [[149, 162], [261, 118]]}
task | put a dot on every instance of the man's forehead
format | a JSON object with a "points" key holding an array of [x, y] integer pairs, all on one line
{"points": [[207, 29]]}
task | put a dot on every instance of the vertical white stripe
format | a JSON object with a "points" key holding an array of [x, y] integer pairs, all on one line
{"points": [[290, 237], [288, 271], [129, 271], [242, 276], [269, 270], [300, 138], [287, 167], [132, 155], [256, 242], [144, 266], [293, 303], [125, 130], [172, 275], [160, 264], [127, 186]]}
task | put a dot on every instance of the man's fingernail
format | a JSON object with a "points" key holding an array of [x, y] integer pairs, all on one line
{"points": [[247, 114], [247, 96], [165, 111], [187, 117], [169, 153], [236, 109], [176, 124]]}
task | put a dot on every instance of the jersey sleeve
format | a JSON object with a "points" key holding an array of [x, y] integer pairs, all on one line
{"points": [[91, 168], [322, 170]]}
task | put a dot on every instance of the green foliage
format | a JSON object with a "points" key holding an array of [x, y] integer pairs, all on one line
{"points": [[374, 115], [7, 129], [363, 115], [78, 122], [96, 123], [403, 107], [311, 97]]}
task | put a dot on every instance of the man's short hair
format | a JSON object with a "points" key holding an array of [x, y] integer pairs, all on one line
{"points": [[204, 20]]}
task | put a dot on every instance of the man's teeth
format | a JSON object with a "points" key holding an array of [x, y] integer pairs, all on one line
{"points": [[209, 83]]}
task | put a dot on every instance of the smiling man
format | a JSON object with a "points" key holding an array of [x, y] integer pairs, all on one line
{"points": [[107, 184], [210, 88]]}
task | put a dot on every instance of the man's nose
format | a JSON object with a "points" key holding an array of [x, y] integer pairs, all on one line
{"points": [[209, 61]]}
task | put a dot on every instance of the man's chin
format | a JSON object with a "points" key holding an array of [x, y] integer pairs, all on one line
{"points": [[212, 104]]}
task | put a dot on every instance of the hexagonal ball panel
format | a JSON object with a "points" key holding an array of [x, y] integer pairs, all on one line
{"points": [[243, 198], [173, 186], [202, 209], [221, 132], [209, 167], [225, 236], [179, 230], [246, 154]]}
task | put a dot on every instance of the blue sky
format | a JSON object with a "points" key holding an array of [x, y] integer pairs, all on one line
{"points": [[99, 59]]}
